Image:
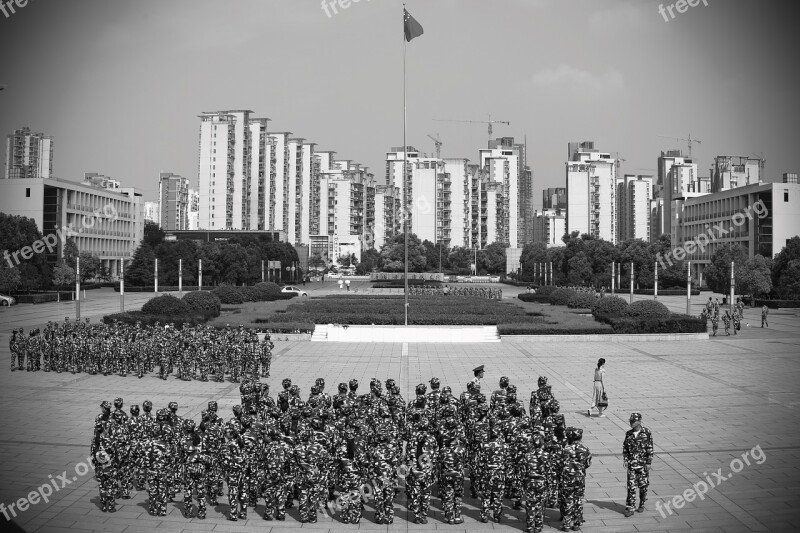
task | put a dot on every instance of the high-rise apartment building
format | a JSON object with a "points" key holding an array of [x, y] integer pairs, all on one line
{"points": [[634, 194], [549, 226], [677, 180], [173, 197], [591, 192], [555, 198], [151, 212], [28, 155]]}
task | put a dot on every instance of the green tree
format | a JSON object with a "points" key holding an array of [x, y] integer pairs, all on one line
{"points": [[10, 277], [718, 273], [754, 277], [71, 252], [580, 270], [90, 266], [16, 233], [533, 254], [492, 259], [141, 269], [459, 259], [785, 278], [63, 274], [393, 254], [153, 234], [369, 262]]}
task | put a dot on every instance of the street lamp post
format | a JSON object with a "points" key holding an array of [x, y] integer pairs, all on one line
{"points": [[631, 282], [77, 288], [200, 275], [121, 285], [655, 284], [612, 278], [155, 276]]}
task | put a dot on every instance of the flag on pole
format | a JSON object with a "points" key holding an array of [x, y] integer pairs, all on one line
{"points": [[411, 27]]}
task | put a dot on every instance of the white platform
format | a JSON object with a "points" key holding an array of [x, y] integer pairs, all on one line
{"points": [[336, 333]]}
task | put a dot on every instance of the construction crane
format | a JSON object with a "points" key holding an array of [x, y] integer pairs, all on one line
{"points": [[689, 141], [438, 143], [619, 158], [489, 122]]}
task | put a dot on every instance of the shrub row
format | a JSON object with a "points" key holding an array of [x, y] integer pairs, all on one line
{"points": [[203, 301], [396, 319], [674, 323], [647, 309], [661, 292], [266, 291], [775, 304], [42, 297], [399, 283], [582, 300], [284, 327], [164, 288], [609, 305], [552, 329]]}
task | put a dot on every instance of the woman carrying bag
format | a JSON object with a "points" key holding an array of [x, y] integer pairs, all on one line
{"points": [[599, 398]]}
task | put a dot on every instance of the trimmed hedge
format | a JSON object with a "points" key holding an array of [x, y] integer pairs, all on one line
{"points": [[562, 296], [203, 301], [163, 288], [546, 289], [675, 323], [535, 298], [166, 306], [552, 329], [286, 327], [650, 309], [268, 288], [609, 305], [582, 300], [661, 292], [228, 294], [775, 304]]}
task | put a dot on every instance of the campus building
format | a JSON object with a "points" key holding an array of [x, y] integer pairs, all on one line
{"points": [[105, 221], [760, 218], [28, 155], [591, 192]]}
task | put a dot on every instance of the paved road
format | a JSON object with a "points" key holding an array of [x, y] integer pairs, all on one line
{"points": [[707, 403]]}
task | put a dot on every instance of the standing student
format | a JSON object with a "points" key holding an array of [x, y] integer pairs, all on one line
{"points": [[764, 313], [599, 388]]}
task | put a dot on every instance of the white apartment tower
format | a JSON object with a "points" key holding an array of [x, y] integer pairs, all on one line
{"points": [[634, 194], [173, 196], [591, 192]]}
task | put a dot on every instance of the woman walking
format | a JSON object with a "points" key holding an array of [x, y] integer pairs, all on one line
{"points": [[599, 388]]}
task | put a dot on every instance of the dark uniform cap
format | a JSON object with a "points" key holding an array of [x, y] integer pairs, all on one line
{"points": [[237, 409], [577, 433], [636, 417], [320, 382], [435, 383], [105, 404], [504, 381], [477, 369], [554, 406], [542, 381], [294, 389], [446, 389], [390, 383], [353, 384], [189, 424], [512, 389]]}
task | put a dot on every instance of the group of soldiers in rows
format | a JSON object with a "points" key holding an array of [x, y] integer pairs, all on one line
{"points": [[481, 292], [285, 448], [195, 352], [711, 311]]}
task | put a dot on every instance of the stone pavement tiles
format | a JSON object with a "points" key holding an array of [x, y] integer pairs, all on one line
{"points": [[706, 402]]}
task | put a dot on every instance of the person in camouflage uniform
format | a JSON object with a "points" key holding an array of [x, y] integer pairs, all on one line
{"points": [[235, 468], [637, 456], [420, 458], [383, 459], [99, 425], [498, 396], [137, 432], [275, 466], [350, 500], [198, 464], [310, 458], [534, 472], [493, 455], [452, 458], [714, 324], [105, 465], [17, 346], [575, 459], [158, 451]]}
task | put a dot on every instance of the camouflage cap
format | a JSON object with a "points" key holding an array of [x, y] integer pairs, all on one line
{"points": [[421, 388], [342, 387], [636, 417], [320, 382], [435, 383], [118, 403], [286, 382], [105, 404], [542, 381], [504, 381], [353, 384], [173, 406], [134, 410], [212, 406]]}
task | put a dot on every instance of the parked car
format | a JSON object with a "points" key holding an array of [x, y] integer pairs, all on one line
{"points": [[7, 300], [295, 290]]}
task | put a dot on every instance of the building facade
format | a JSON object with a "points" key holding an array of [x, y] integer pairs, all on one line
{"points": [[731, 171], [634, 195], [549, 226], [105, 222]]}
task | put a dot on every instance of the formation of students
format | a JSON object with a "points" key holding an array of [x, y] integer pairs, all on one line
{"points": [[328, 452]]}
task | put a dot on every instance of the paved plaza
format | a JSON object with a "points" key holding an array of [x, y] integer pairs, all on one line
{"points": [[706, 402]]}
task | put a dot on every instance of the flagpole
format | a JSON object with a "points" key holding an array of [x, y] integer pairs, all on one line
{"points": [[405, 181]]}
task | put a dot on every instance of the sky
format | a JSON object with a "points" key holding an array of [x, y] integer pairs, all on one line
{"points": [[120, 84]]}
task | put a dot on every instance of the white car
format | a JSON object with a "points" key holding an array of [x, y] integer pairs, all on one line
{"points": [[295, 290], [6, 300]]}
